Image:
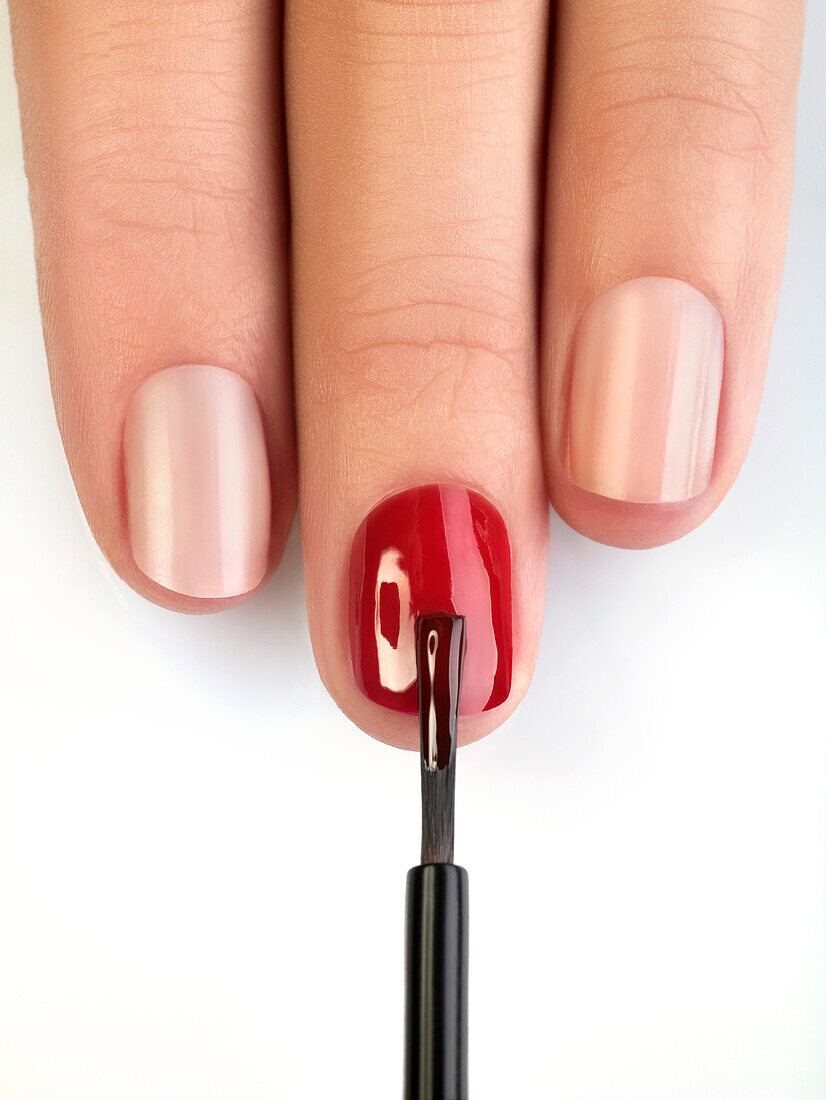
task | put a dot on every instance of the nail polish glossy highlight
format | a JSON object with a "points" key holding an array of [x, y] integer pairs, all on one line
{"points": [[645, 392], [197, 482], [431, 549]]}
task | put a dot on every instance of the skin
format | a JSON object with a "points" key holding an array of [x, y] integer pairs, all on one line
{"points": [[446, 232]]}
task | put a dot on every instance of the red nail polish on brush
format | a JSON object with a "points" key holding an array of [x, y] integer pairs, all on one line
{"points": [[435, 548]]}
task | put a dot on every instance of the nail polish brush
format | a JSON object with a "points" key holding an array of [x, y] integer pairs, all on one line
{"points": [[436, 925]]}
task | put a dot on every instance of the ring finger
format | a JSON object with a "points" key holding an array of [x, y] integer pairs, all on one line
{"points": [[671, 147]]}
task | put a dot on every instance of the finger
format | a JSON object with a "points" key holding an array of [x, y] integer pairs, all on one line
{"points": [[414, 160], [153, 153], [670, 169]]}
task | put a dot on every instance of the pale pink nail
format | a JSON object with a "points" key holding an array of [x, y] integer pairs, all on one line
{"points": [[647, 370], [197, 482]]}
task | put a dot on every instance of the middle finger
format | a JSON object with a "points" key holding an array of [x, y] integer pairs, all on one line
{"points": [[414, 137]]}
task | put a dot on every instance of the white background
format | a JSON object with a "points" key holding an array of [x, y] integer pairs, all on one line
{"points": [[202, 862]]}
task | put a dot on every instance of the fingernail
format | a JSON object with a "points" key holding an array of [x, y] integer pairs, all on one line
{"points": [[645, 391], [197, 482], [425, 550]]}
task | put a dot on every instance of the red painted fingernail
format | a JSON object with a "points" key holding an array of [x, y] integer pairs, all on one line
{"points": [[425, 550]]}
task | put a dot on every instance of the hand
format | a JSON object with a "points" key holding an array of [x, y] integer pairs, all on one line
{"points": [[464, 315]]}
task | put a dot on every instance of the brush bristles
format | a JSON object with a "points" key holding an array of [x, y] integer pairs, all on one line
{"points": [[440, 651]]}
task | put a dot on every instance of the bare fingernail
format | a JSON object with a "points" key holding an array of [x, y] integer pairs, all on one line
{"points": [[197, 482], [645, 392]]}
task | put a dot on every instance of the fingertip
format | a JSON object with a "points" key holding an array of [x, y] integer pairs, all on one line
{"points": [[112, 538], [171, 600], [631, 526], [399, 730]]}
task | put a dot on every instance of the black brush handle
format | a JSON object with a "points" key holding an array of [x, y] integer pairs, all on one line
{"points": [[436, 978]]}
